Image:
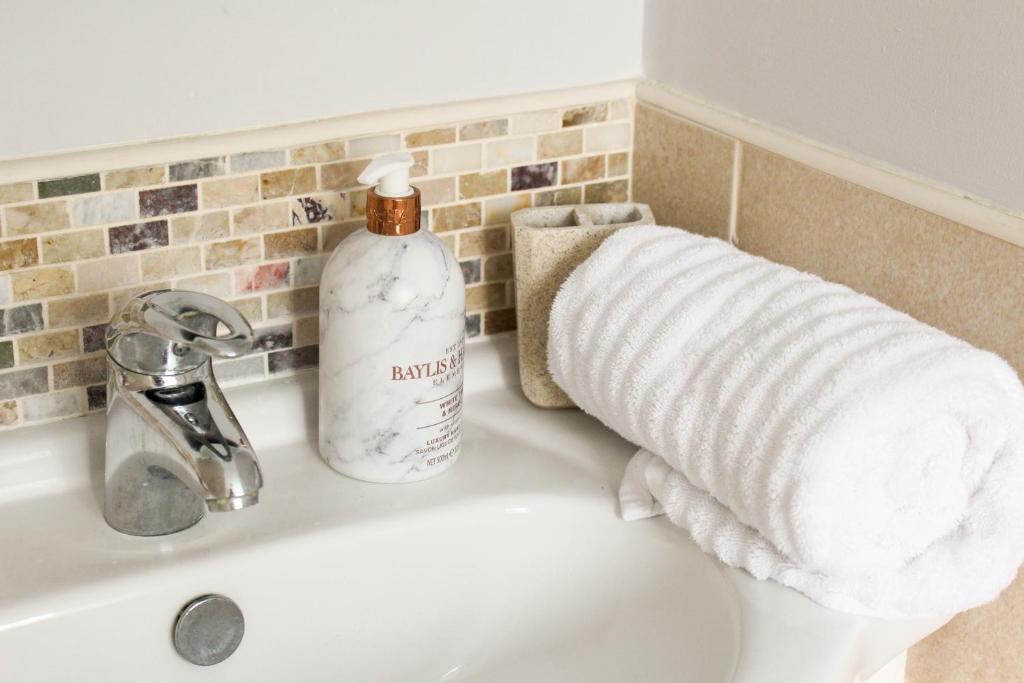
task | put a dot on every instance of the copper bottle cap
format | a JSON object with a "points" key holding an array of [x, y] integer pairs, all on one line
{"points": [[393, 216]]}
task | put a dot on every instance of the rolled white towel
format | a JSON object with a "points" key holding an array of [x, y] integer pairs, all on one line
{"points": [[796, 428]]}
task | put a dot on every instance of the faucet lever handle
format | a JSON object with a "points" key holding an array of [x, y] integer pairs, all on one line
{"points": [[195, 320]]}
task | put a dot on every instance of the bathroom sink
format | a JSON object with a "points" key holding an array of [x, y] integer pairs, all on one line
{"points": [[513, 566]]}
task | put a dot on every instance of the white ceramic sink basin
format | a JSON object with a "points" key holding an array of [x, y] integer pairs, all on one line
{"points": [[513, 566]]}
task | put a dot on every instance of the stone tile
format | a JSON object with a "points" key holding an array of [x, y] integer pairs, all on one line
{"points": [[456, 217], [232, 253], [535, 175], [96, 397], [134, 177], [18, 383], [510, 151], [942, 273], [293, 359], [261, 278], [562, 144], [16, 192], [108, 207], [6, 355], [486, 296], [8, 413], [261, 218], [218, 194], [582, 169], [257, 161], [499, 209], [59, 187], [5, 290], [51, 406], [49, 346], [321, 208], [308, 269], [239, 370], [18, 254], [251, 308], [471, 271], [21, 319], [438, 191], [199, 228], [450, 240], [618, 164], [478, 242], [318, 153], [577, 116], [271, 338], [108, 273], [77, 311], [559, 197], [473, 324], [535, 122], [420, 164], [498, 268], [77, 373], [457, 158], [483, 129], [620, 109], [291, 243], [342, 175], [288, 182], [503, 320], [334, 234], [357, 200], [612, 137], [434, 136], [196, 169], [65, 247], [214, 284], [168, 263], [32, 218], [603, 193], [167, 200], [482, 184], [307, 331], [293, 302], [42, 283], [138, 236], [670, 154], [94, 337], [374, 144]]}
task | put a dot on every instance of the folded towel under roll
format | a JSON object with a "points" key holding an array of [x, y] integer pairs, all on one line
{"points": [[796, 428]]}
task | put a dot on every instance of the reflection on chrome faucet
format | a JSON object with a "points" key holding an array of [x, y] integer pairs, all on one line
{"points": [[174, 447]]}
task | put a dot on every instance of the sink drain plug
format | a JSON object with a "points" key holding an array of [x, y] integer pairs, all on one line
{"points": [[208, 629]]}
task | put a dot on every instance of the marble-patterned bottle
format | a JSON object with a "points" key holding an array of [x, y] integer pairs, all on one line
{"points": [[392, 335]]}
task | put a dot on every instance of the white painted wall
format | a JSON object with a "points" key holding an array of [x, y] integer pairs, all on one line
{"points": [[79, 74], [935, 87]]}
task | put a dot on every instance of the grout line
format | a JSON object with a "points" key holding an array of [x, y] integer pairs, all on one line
{"points": [[734, 198]]}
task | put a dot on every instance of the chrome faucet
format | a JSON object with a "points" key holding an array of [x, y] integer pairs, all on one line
{"points": [[174, 448]]}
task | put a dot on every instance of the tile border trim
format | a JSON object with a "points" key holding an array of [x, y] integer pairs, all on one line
{"points": [[147, 153], [914, 190]]}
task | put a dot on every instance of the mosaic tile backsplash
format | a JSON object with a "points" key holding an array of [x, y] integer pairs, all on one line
{"points": [[255, 229]]}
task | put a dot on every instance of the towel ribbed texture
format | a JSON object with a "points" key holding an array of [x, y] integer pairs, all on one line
{"points": [[797, 429]]}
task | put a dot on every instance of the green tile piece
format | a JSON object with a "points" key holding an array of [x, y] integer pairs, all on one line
{"points": [[6, 355], [58, 187]]}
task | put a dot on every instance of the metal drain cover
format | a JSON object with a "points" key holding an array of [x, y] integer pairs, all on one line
{"points": [[208, 630]]}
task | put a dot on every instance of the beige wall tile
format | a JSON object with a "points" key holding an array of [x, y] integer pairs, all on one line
{"points": [[232, 253], [134, 177], [942, 273], [482, 242], [482, 184], [108, 273], [479, 297], [307, 331], [292, 302], [614, 136], [80, 373], [456, 217], [41, 283], [434, 136], [535, 122], [261, 218], [582, 169], [79, 310], [251, 308], [217, 194], [591, 113], [290, 243], [200, 228], [214, 284], [618, 164], [457, 158], [73, 246], [334, 234], [20, 253], [27, 219], [374, 144], [561, 144], [483, 129], [288, 182], [499, 209], [165, 263], [342, 175], [683, 171], [16, 192], [510, 152], [318, 153], [602, 193], [437, 191], [48, 346]]}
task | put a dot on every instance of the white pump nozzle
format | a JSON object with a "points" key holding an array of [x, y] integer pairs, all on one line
{"points": [[391, 171]]}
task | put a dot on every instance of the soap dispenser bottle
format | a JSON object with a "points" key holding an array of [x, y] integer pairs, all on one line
{"points": [[392, 335]]}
